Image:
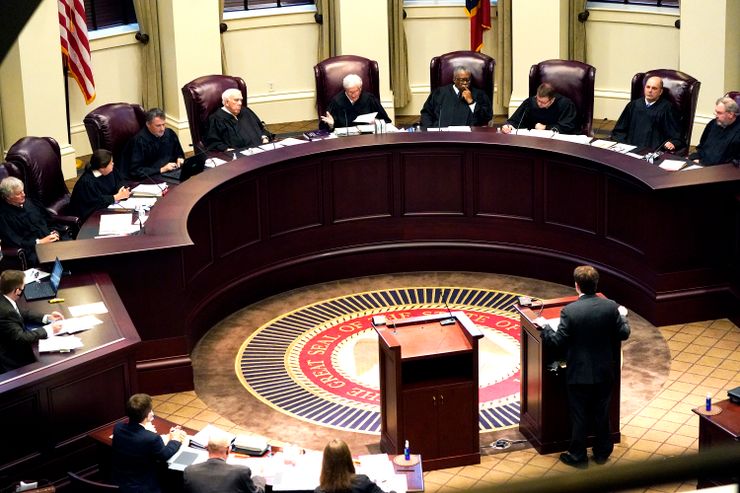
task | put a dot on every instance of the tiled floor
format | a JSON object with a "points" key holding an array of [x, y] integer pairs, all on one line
{"points": [[704, 358]]}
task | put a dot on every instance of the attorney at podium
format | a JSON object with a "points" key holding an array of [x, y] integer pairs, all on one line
{"points": [[588, 330]]}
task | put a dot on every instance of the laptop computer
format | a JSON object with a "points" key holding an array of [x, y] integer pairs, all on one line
{"points": [[190, 167], [39, 290]]}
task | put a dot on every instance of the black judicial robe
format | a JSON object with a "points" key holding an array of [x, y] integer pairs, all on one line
{"points": [[444, 103], [148, 153], [718, 144], [92, 193], [561, 115], [643, 126], [344, 112], [22, 226], [226, 131]]}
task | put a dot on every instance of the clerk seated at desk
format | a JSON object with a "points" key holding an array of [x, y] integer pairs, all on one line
{"points": [[155, 149], [216, 476], [346, 106], [99, 186], [16, 343], [234, 126], [138, 451], [24, 222], [338, 472]]}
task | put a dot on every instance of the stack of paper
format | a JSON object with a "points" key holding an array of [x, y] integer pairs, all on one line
{"points": [[603, 144], [117, 225], [78, 324], [33, 275], [379, 468], [576, 139], [290, 141], [59, 344], [673, 165], [97, 308], [451, 128], [149, 189], [134, 203]]}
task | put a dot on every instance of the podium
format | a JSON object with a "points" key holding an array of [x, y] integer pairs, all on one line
{"points": [[429, 388], [544, 419]]}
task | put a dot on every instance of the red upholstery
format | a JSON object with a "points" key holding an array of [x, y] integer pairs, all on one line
{"points": [[39, 161], [680, 89], [203, 97], [571, 78], [330, 73], [111, 126], [734, 95], [481, 68]]}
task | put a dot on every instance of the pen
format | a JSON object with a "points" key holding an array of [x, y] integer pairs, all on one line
{"points": [[56, 300]]}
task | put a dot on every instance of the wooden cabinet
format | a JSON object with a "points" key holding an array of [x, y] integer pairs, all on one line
{"points": [[429, 389], [721, 430]]}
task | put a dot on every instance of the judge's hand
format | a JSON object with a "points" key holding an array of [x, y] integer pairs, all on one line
{"points": [[56, 327], [265, 139], [507, 129], [467, 96], [540, 126], [123, 193], [622, 310], [55, 316], [168, 167], [328, 119], [669, 146], [50, 238]]}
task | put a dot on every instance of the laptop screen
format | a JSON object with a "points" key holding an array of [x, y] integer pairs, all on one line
{"points": [[56, 275]]}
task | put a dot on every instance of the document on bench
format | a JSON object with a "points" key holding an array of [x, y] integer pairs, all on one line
{"points": [[576, 139], [97, 308], [78, 324], [117, 225], [33, 275], [366, 118], [149, 189], [57, 344], [133, 203], [451, 128]]}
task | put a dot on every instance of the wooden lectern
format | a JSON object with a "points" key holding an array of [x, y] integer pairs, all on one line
{"points": [[429, 388], [544, 419]]}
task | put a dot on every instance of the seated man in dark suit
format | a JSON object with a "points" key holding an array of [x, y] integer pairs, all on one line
{"points": [[16, 343], [589, 329], [346, 106], [720, 141], [155, 149], [99, 186], [24, 222], [216, 476], [457, 104], [138, 451], [546, 110], [234, 126], [650, 121]]}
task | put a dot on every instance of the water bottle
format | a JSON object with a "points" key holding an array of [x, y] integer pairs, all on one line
{"points": [[708, 403], [406, 451]]}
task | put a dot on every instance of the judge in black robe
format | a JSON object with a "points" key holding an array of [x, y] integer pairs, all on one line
{"points": [[546, 110], [720, 141], [234, 126], [457, 104], [650, 121], [352, 102], [154, 150], [99, 186], [23, 221]]}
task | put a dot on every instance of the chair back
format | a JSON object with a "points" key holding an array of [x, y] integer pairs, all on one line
{"points": [[734, 95], [481, 66], [680, 89], [4, 171], [82, 485], [572, 79], [111, 126], [203, 96], [40, 163], [329, 74]]}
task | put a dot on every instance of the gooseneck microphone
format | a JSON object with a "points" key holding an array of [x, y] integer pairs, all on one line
{"points": [[346, 124], [598, 129], [651, 156], [521, 120]]}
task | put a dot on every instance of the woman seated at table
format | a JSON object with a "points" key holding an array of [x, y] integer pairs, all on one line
{"points": [[338, 472], [99, 186]]}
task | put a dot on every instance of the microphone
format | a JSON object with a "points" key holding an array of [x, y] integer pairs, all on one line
{"points": [[439, 122], [450, 320], [270, 136], [139, 213], [521, 120], [346, 124], [651, 156], [598, 129], [162, 189]]}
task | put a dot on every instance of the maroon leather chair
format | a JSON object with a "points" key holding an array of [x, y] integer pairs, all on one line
{"points": [[680, 89], [572, 79], [481, 68], [39, 162], [203, 97], [734, 95], [329, 74], [12, 257], [111, 126]]}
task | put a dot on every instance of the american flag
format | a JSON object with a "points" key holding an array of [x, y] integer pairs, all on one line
{"points": [[479, 12], [75, 46]]}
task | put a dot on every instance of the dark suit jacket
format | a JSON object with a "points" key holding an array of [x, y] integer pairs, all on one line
{"points": [[216, 476], [137, 455], [589, 330], [360, 484], [16, 343]]}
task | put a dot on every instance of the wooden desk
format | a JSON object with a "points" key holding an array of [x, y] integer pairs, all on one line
{"points": [[721, 429], [664, 242], [50, 406]]}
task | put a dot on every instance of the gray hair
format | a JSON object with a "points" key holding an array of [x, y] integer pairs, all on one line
{"points": [[154, 113], [230, 93], [730, 104], [9, 185], [352, 80], [460, 68]]}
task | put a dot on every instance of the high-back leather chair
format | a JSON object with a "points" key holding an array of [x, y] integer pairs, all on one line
{"points": [[111, 126], [734, 95], [12, 257], [40, 163], [680, 89], [572, 79], [83, 485], [481, 66], [329, 74], [203, 97]]}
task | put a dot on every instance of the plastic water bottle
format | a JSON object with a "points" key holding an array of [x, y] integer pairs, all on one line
{"points": [[406, 451], [708, 403]]}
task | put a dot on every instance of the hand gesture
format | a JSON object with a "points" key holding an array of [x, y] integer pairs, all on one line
{"points": [[507, 129], [467, 95], [123, 193], [328, 119], [50, 238]]}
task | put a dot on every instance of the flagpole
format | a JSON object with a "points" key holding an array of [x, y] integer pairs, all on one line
{"points": [[66, 100]]}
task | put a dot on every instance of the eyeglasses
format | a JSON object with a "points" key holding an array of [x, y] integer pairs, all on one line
{"points": [[462, 79]]}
